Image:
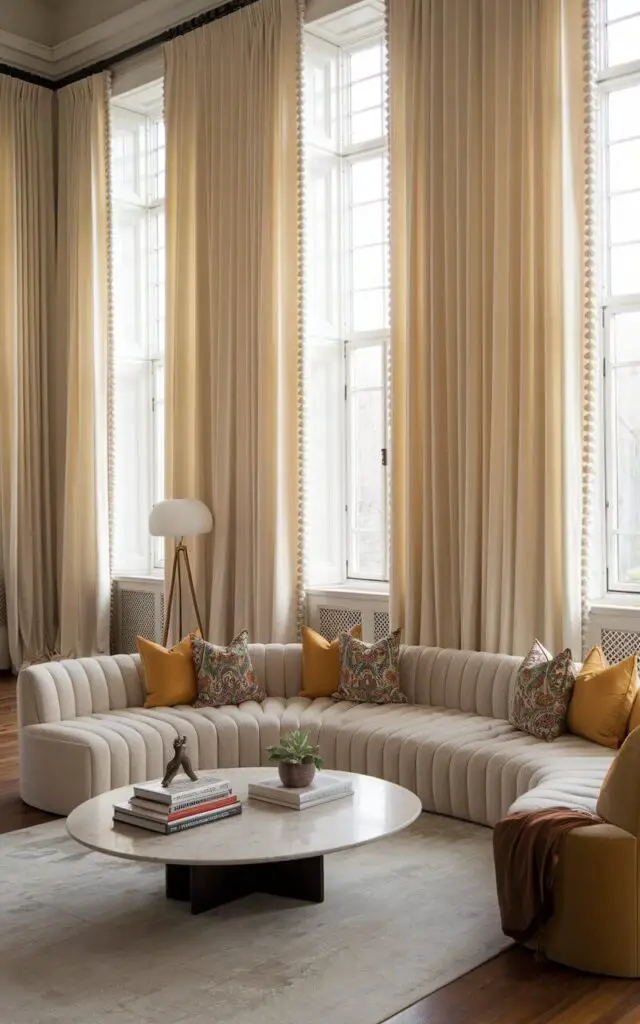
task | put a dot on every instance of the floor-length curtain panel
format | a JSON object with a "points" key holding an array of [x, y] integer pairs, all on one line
{"points": [[479, 220], [83, 345], [28, 602], [232, 396]]}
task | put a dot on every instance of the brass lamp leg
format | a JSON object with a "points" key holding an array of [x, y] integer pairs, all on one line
{"points": [[167, 621], [193, 592], [180, 551]]}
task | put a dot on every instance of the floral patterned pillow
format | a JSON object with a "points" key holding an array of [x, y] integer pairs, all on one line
{"points": [[369, 672], [224, 674], [542, 693]]}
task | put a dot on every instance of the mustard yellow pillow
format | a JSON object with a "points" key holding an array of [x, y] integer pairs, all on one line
{"points": [[169, 675], [634, 717], [602, 699], [321, 662]]}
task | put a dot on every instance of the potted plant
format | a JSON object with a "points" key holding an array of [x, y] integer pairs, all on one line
{"points": [[297, 759]]}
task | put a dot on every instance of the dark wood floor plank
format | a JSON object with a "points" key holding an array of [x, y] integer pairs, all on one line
{"points": [[14, 814]]}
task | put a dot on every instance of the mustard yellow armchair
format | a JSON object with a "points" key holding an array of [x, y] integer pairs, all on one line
{"points": [[596, 922]]}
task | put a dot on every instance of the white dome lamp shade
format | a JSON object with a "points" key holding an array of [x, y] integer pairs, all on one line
{"points": [[180, 517]]}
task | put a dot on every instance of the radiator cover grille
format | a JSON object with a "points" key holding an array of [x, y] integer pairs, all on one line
{"points": [[618, 644], [381, 626], [138, 610], [337, 620]]}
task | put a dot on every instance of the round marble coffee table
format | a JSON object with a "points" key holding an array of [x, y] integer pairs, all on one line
{"points": [[267, 848]]}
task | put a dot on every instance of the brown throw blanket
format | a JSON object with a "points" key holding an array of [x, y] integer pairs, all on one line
{"points": [[525, 853]]}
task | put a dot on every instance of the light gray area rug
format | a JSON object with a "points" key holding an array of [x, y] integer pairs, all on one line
{"points": [[88, 939]]}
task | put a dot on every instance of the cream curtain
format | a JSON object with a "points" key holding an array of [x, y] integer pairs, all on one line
{"points": [[233, 347], [486, 176], [27, 239], [83, 350]]}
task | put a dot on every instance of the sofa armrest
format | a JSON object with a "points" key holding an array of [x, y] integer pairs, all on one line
{"points": [[595, 921], [58, 691]]}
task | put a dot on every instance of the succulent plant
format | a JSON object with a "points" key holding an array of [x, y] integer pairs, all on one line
{"points": [[295, 748]]}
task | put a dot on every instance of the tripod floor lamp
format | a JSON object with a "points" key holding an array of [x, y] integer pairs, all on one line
{"points": [[180, 518]]}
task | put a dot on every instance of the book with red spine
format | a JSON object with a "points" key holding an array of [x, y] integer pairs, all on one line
{"points": [[123, 816], [147, 809]]}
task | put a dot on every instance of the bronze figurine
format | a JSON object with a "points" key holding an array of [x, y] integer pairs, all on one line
{"points": [[179, 760]]}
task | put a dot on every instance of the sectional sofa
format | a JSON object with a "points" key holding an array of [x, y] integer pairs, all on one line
{"points": [[84, 730]]}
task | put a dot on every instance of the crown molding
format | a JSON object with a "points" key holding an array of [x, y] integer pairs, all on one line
{"points": [[144, 21], [22, 53]]}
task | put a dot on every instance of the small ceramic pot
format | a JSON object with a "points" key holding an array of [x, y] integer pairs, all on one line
{"points": [[295, 776]]}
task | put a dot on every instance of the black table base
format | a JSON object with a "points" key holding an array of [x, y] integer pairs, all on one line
{"points": [[209, 886]]}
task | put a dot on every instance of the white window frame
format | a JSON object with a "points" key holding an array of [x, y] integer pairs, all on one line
{"points": [[610, 79], [150, 362], [338, 148]]}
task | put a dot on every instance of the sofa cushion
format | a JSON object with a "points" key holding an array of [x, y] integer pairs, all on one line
{"points": [[542, 693], [169, 675], [602, 699], [619, 801], [321, 662], [225, 674], [458, 763], [369, 672]]}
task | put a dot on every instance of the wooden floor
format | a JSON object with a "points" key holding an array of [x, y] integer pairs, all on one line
{"points": [[511, 989], [13, 813]]}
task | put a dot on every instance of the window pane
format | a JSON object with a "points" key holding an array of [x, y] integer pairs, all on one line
{"points": [[627, 449], [369, 310], [624, 113], [367, 498], [366, 94], [132, 499], [129, 270], [364, 63], [623, 41], [368, 267], [625, 217], [367, 126], [369, 223], [366, 365], [367, 179], [625, 336], [625, 269], [322, 245], [326, 453], [139, 326], [158, 455], [621, 8], [624, 166]]}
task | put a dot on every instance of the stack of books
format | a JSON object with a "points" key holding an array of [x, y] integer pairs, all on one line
{"points": [[323, 789], [181, 805]]}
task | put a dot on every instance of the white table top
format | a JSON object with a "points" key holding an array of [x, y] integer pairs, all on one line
{"points": [[263, 832]]}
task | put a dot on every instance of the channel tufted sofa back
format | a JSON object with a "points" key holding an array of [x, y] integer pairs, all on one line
{"points": [[59, 691]]}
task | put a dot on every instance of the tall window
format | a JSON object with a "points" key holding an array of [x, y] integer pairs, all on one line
{"points": [[138, 190], [347, 292], [619, 93]]}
